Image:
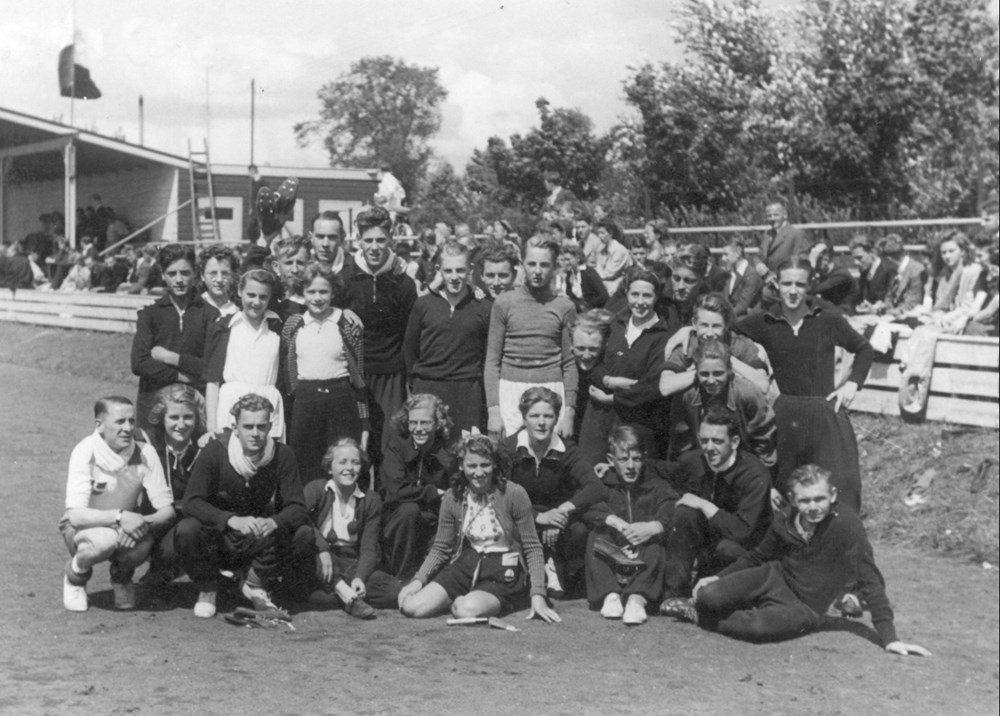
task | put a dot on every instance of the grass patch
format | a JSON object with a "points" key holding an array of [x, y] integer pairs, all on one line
{"points": [[954, 520]]}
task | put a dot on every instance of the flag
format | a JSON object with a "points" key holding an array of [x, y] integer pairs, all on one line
{"points": [[74, 79]]}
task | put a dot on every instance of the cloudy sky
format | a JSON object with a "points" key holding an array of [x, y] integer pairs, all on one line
{"points": [[495, 58]]}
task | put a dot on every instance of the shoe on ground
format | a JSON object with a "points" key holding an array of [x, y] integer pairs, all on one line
{"points": [[258, 596], [553, 584], [204, 608], [850, 606], [124, 596], [612, 608], [323, 598], [74, 596], [635, 612], [359, 609], [678, 608]]}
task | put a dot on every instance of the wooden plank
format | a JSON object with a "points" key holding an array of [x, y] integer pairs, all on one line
{"points": [[87, 324], [117, 314], [81, 298], [947, 381], [883, 402], [964, 412], [978, 351]]}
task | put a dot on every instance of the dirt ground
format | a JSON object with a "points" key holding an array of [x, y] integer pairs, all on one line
{"points": [[165, 661]]}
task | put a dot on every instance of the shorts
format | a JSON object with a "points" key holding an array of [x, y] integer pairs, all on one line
{"points": [[490, 573]]}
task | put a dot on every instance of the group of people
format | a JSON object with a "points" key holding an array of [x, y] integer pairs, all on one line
{"points": [[567, 417]]}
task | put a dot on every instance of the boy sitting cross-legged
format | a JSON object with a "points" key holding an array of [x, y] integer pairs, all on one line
{"points": [[782, 588]]}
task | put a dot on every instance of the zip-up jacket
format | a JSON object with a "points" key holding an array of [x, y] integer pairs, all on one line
{"points": [[411, 475]]}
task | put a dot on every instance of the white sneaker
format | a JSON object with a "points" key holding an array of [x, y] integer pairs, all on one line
{"points": [[204, 608], [258, 596], [612, 608], [74, 597], [635, 612], [124, 596], [553, 583]]}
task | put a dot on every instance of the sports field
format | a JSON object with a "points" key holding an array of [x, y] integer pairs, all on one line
{"points": [[166, 661]]}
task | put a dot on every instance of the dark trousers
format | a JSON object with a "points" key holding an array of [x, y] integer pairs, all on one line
{"points": [[322, 412], [602, 579], [382, 588], [809, 431], [691, 539], [386, 394], [756, 605], [465, 399], [203, 550], [407, 532]]}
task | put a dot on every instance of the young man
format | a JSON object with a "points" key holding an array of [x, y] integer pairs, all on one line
{"points": [[877, 275], [445, 342], [782, 589], [782, 241], [244, 497], [906, 291], [383, 299], [497, 264], [635, 518], [108, 473], [743, 285], [327, 239], [728, 516], [291, 255], [169, 343], [219, 268], [529, 344]]}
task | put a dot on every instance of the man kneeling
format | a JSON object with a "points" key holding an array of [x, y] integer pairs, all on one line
{"points": [[108, 471], [230, 521]]}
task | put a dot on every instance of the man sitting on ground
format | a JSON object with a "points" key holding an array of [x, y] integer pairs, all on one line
{"points": [[108, 471]]}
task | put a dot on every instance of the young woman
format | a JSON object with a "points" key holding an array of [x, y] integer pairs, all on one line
{"points": [[486, 559], [625, 385], [243, 354], [339, 549], [414, 475], [323, 364], [952, 296], [801, 338], [560, 484]]}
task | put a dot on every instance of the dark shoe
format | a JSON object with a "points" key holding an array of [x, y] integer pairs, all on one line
{"points": [[850, 606], [678, 608], [359, 609]]}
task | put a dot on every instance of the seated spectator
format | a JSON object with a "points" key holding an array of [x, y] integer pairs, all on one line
{"points": [[718, 388], [743, 284], [145, 275], [831, 282], [986, 321], [782, 589], [580, 283], [876, 275], [906, 292], [107, 472], [243, 501], [954, 293], [337, 553], [219, 266], [15, 269], [414, 475], [486, 559], [608, 254], [78, 278], [560, 484], [635, 518], [729, 514], [640, 248], [102, 276]]}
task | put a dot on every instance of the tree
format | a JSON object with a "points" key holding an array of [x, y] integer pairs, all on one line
{"points": [[381, 111], [563, 142], [440, 196]]}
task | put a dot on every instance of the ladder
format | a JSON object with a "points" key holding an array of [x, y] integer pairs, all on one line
{"points": [[204, 222]]}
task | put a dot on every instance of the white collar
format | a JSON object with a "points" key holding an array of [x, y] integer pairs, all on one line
{"points": [[332, 487], [640, 327], [729, 463], [555, 442], [308, 319]]}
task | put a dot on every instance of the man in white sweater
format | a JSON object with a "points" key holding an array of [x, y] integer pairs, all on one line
{"points": [[108, 470]]}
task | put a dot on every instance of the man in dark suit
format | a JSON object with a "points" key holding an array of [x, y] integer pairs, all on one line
{"points": [[743, 284], [782, 241], [876, 274], [906, 291], [558, 196]]}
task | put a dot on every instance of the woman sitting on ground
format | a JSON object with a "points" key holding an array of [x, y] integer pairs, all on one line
{"points": [[337, 553], [414, 475], [486, 559]]}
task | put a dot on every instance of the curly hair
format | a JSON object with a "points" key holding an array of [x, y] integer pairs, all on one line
{"points": [[317, 270], [221, 253], [251, 403], [264, 276], [180, 394], [443, 424], [327, 460], [596, 320], [171, 253], [290, 245], [484, 446], [375, 217], [497, 251], [712, 349]]}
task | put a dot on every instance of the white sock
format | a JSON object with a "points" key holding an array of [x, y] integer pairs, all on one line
{"points": [[343, 591]]}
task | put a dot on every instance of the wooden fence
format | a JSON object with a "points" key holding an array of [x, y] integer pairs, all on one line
{"points": [[110, 312]]}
